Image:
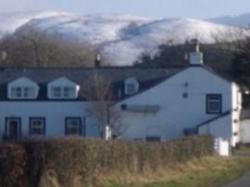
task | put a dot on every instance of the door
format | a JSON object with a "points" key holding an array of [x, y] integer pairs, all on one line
{"points": [[13, 128]]}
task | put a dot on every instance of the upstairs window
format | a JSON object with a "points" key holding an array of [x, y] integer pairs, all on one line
{"points": [[68, 92], [63, 88], [18, 92], [131, 86], [214, 103], [56, 91], [23, 88], [63, 92]]}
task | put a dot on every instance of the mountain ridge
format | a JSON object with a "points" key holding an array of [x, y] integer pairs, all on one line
{"points": [[121, 38]]}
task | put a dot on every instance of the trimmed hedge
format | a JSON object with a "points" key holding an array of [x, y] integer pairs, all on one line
{"points": [[69, 162]]}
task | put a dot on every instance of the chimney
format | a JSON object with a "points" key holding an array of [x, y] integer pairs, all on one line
{"points": [[196, 57], [98, 60]]}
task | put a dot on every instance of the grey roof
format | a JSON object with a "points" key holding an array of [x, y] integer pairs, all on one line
{"points": [[145, 76], [78, 75]]}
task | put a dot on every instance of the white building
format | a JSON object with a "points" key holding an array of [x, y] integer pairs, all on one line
{"points": [[245, 127], [154, 104], [194, 100]]}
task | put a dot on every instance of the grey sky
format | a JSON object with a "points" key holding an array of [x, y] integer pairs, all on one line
{"points": [[151, 8]]}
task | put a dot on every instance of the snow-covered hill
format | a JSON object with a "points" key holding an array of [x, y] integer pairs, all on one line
{"points": [[238, 20], [121, 38]]}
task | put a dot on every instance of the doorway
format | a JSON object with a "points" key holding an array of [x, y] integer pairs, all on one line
{"points": [[13, 128]]}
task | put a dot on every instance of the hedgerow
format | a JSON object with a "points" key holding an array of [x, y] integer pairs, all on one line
{"points": [[80, 162]]}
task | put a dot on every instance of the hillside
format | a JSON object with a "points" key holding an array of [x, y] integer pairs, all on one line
{"points": [[120, 38], [237, 20]]}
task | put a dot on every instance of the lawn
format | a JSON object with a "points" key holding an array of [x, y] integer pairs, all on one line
{"points": [[206, 172]]}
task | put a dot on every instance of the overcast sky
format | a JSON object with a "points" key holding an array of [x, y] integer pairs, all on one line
{"points": [[151, 8]]}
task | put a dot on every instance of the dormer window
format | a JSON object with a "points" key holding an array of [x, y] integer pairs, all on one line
{"points": [[22, 88], [16, 92], [56, 91], [63, 88], [131, 86], [68, 91], [22, 92], [63, 92]]}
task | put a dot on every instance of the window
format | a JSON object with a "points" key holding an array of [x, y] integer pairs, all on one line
{"points": [[22, 92], [37, 126], [62, 88], [73, 126], [63, 92], [131, 86], [56, 91], [16, 92], [23, 88], [214, 104], [68, 92], [153, 138]]}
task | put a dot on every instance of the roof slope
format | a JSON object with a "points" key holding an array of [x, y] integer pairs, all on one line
{"points": [[146, 77], [78, 75]]}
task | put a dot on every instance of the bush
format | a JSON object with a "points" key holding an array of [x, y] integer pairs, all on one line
{"points": [[12, 166], [69, 162]]}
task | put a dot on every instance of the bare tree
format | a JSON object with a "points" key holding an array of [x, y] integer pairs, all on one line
{"points": [[98, 90], [41, 50]]}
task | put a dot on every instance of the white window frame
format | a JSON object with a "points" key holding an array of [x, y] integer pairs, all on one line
{"points": [[56, 91], [42, 128], [23, 88], [212, 99], [22, 92], [67, 89], [63, 92], [68, 126], [131, 86]]}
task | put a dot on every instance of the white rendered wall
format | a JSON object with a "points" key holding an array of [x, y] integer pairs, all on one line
{"points": [[219, 128], [236, 105], [54, 112], [245, 131], [176, 112]]}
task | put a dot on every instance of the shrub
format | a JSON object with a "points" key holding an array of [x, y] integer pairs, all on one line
{"points": [[82, 161], [12, 166]]}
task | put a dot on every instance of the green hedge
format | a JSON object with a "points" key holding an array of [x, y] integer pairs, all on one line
{"points": [[66, 159]]}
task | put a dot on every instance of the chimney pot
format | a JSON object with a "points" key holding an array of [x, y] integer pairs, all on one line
{"points": [[196, 57], [98, 60]]}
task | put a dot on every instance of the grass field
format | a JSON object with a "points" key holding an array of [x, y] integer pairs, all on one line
{"points": [[206, 172]]}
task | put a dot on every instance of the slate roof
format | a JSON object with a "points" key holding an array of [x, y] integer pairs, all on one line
{"points": [[146, 77]]}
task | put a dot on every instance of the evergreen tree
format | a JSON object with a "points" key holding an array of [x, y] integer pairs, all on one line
{"points": [[241, 63]]}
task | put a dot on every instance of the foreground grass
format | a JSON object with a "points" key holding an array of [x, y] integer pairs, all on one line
{"points": [[206, 172]]}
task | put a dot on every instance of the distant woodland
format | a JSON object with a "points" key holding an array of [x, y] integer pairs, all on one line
{"points": [[40, 50]]}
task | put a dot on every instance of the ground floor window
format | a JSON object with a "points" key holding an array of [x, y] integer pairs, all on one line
{"points": [[153, 138], [13, 128], [73, 126], [37, 126]]}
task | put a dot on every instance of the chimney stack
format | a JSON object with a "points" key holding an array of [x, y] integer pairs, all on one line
{"points": [[98, 60], [196, 57]]}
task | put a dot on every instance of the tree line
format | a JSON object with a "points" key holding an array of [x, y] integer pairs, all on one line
{"points": [[38, 49]]}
